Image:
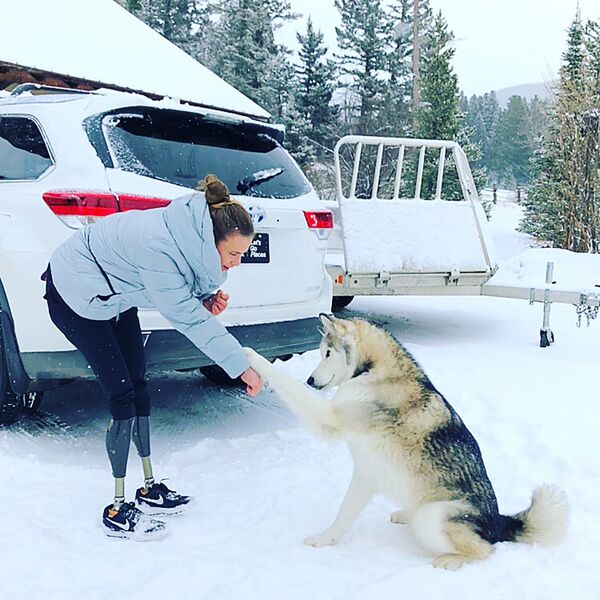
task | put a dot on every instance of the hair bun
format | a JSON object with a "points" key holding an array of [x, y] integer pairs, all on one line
{"points": [[215, 191]]}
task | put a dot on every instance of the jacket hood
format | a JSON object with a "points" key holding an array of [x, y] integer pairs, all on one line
{"points": [[189, 223]]}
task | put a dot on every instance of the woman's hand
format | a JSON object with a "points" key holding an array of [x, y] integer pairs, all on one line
{"points": [[253, 382], [216, 303]]}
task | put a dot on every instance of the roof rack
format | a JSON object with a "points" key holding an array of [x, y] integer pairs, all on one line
{"points": [[38, 88]]}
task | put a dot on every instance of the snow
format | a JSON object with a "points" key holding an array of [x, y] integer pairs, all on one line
{"points": [[388, 235], [526, 267], [100, 41], [580, 272], [263, 483]]}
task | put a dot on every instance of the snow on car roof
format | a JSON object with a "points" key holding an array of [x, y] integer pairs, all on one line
{"points": [[100, 41], [104, 100]]}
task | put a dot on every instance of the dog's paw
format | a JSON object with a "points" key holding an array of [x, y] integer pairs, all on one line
{"points": [[259, 363], [400, 517], [451, 562], [319, 540]]}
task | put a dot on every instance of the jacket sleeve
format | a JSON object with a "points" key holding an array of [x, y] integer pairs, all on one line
{"points": [[174, 300]]}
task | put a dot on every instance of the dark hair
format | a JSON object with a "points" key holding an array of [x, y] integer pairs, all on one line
{"points": [[228, 215]]}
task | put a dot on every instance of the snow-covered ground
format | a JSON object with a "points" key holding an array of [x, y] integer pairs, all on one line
{"points": [[262, 483]]}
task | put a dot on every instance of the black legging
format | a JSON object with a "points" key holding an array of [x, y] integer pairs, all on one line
{"points": [[114, 350]]}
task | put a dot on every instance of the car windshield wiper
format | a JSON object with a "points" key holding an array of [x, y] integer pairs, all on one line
{"points": [[257, 178]]}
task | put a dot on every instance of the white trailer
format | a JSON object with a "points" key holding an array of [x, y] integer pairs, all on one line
{"points": [[409, 221]]}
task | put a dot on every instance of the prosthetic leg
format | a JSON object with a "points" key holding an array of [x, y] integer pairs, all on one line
{"points": [[118, 439], [123, 519], [141, 439], [154, 498]]}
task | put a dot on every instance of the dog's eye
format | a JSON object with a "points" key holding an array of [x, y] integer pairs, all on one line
{"points": [[328, 354]]}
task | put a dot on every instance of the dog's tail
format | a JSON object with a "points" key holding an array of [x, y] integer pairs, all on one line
{"points": [[544, 522]]}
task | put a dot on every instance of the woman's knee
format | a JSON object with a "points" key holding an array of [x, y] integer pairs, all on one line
{"points": [[123, 406], [142, 401]]}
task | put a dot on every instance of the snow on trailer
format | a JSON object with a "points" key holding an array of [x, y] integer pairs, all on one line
{"points": [[404, 228]]}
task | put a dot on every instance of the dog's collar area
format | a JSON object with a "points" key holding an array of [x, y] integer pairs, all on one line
{"points": [[362, 368]]}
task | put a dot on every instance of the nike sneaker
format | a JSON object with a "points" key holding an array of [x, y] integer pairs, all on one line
{"points": [[158, 499], [130, 522]]}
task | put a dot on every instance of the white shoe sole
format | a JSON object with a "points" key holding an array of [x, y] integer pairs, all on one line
{"points": [[137, 536], [160, 510]]}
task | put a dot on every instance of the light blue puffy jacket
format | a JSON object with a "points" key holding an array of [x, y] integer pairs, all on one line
{"points": [[164, 258]]}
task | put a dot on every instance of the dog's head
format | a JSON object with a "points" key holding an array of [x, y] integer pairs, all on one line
{"points": [[339, 353]]}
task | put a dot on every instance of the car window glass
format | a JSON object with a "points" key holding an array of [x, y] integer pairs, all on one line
{"points": [[182, 148], [23, 152]]}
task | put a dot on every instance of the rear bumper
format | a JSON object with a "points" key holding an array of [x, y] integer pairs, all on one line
{"points": [[168, 350]]}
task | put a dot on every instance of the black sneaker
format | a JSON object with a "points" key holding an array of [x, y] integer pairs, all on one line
{"points": [[158, 499], [130, 522]]}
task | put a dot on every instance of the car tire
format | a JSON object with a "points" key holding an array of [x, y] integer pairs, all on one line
{"points": [[218, 376], [31, 402], [340, 302], [10, 403]]}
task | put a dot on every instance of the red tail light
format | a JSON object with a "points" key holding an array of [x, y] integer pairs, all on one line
{"points": [[80, 207], [320, 221], [130, 202], [81, 204]]}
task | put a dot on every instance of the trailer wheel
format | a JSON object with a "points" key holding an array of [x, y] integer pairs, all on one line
{"points": [[546, 338], [340, 302]]}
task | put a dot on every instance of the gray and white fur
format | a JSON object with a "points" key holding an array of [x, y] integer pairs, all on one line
{"points": [[408, 443]]}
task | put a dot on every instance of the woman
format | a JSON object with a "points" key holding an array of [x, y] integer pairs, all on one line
{"points": [[170, 258]]}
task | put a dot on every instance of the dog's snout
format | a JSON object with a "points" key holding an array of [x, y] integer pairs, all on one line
{"points": [[310, 381]]}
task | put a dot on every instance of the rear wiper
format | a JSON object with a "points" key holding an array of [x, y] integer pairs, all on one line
{"points": [[257, 178]]}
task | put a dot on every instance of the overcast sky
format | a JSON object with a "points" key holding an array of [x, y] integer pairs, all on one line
{"points": [[499, 43]]}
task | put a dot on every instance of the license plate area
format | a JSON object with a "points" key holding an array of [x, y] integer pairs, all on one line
{"points": [[258, 253]]}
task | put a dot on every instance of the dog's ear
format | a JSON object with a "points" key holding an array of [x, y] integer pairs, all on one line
{"points": [[328, 324]]}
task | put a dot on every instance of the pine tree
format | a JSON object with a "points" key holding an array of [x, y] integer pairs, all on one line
{"points": [[248, 56], [396, 110], [315, 90], [513, 144], [285, 86], [592, 44], [538, 116], [439, 116], [174, 19], [573, 58], [362, 38], [474, 121], [133, 6], [490, 111], [563, 204]]}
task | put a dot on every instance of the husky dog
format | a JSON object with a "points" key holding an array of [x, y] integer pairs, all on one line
{"points": [[410, 444]]}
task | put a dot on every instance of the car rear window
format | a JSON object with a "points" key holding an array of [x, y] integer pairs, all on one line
{"points": [[182, 148], [23, 151]]}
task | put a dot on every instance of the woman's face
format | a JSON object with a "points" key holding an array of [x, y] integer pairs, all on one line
{"points": [[231, 249]]}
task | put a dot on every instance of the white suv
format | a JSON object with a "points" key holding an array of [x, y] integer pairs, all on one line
{"points": [[69, 157]]}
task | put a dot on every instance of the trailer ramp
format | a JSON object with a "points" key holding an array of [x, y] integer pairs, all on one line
{"points": [[409, 219]]}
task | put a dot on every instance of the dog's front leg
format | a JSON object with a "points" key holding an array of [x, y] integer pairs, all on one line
{"points": [[315, 411], [358, 495]]}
